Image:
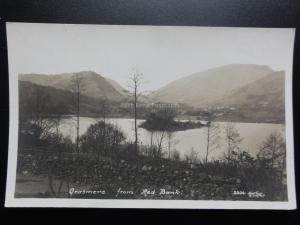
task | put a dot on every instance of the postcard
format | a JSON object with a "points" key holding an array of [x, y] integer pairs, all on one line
{"points": [[123, 116]]}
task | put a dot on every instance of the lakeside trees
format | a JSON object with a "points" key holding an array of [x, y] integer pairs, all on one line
{"points": [[243, 171], [102, 142], [273, 149], [37, 118], [273, 152]]}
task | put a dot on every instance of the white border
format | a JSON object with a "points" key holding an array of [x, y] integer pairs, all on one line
{"points": [[10, 201]]}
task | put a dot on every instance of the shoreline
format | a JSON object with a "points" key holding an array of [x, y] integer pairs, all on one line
{"points": [[182, 119]]}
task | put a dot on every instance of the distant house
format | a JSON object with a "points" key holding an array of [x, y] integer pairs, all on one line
{"points": [[153, 107], [126, 105], [163, 106]]}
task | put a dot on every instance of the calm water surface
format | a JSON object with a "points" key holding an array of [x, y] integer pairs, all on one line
{"points": [[183, 141]]}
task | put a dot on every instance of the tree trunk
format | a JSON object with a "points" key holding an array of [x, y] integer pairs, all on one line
{"points": [[169, 146], [135, 121], [207, 146], [78, 114], [50, 179], [229, 150]]}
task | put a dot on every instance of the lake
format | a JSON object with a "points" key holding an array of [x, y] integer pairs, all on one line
{"points": [[183, 141]]}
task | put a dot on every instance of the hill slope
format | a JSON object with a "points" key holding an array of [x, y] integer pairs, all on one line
{"points": [[117, 86], [202, 88], [267, 91], [51, 100], [94, 85]]}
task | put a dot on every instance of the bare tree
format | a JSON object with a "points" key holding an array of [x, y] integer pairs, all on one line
{"points": [[171, 142], [192, 156], [41, 124], [212, 133], [104, 111], [273, 149], [77, 87], [233, 140], [34, 114], [160, 136], [176, 155], [56, 120], [151, 138], [170, 135], [104, 108], [135, 82]]}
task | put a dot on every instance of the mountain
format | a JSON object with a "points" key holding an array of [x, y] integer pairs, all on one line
{"points": [[250, 93], [267, 91], [52, 100], [118, 87], [200, 89], [94, 85]]}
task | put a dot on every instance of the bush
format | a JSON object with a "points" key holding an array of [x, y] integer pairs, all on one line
{"points": [[102, 138]]}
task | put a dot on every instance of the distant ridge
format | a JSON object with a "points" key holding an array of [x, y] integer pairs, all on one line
{"points": [[95, 85], [118, 87], [267, 91], [247, 87], [202, 88]]}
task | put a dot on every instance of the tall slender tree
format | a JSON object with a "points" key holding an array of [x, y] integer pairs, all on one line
{"points": [[170, 135], [233, 140], [104, 111], [134, 85], [212, 133], [77, 87]]}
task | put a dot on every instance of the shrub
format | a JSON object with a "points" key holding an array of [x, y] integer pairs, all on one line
{"points": [[102, 138]]}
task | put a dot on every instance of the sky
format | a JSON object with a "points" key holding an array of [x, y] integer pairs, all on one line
{"points": [[161, 53]]}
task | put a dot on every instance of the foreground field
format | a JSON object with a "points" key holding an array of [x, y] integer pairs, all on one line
{"points": [[109, 178]]}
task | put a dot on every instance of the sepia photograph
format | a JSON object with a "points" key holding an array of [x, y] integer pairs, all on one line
{"points": [[150, 116]]}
